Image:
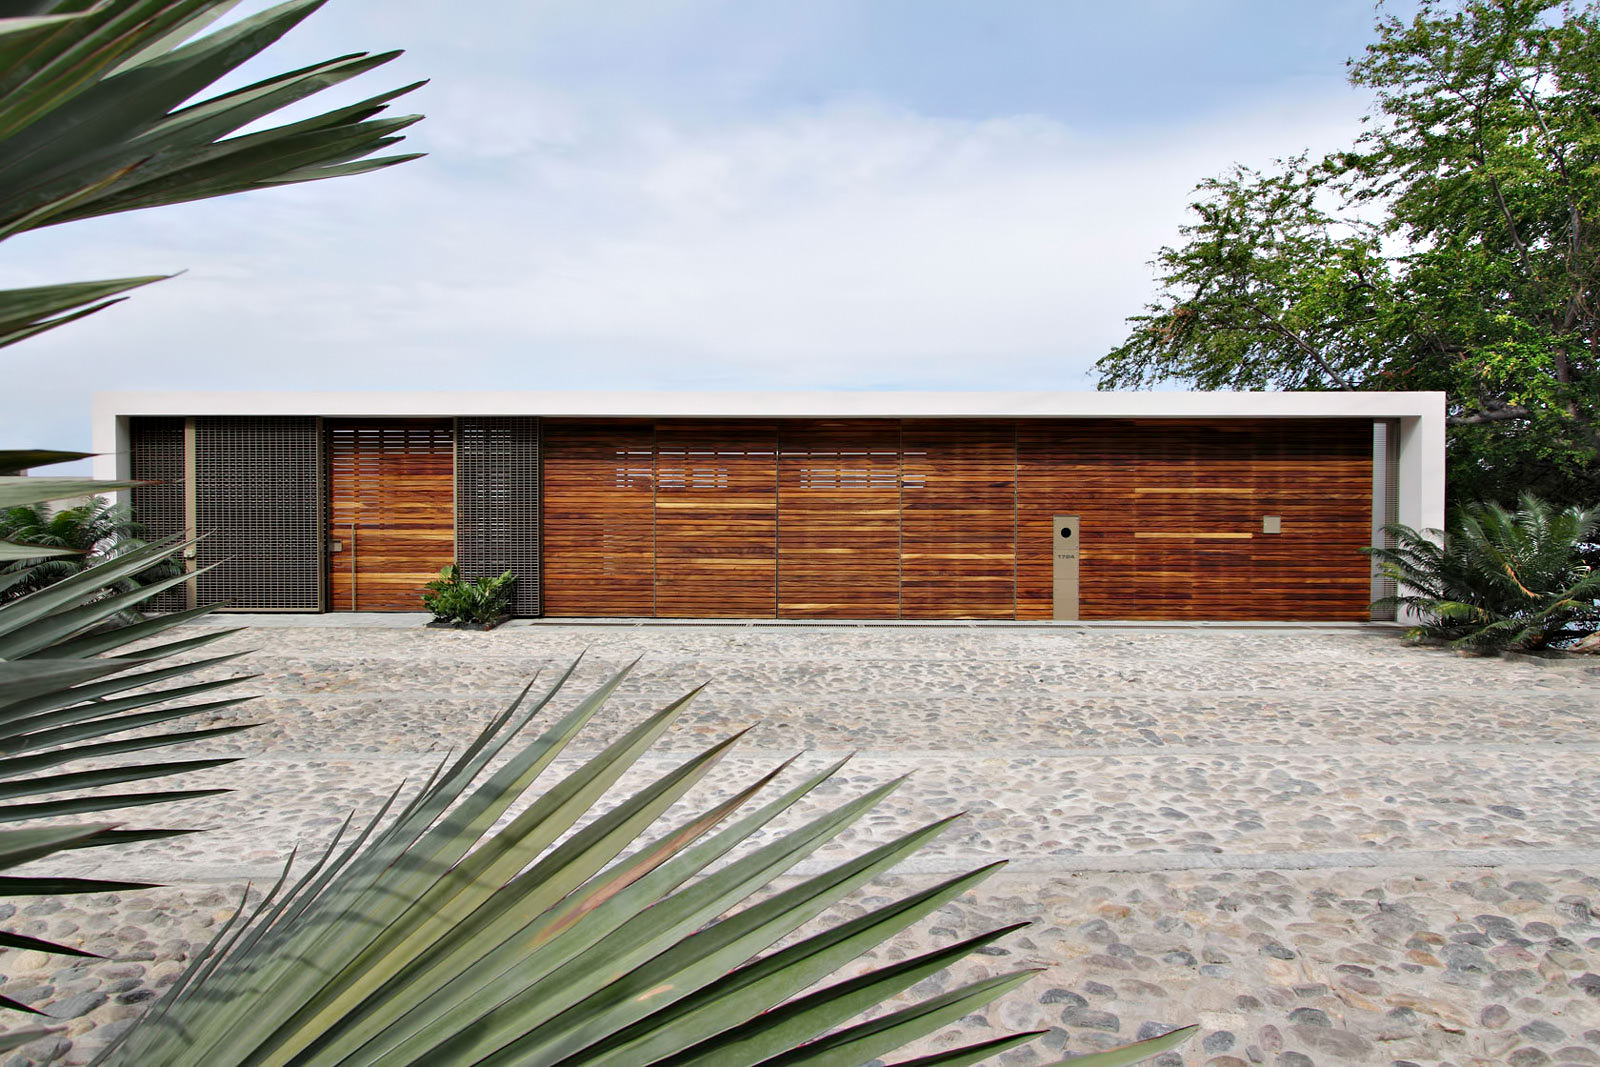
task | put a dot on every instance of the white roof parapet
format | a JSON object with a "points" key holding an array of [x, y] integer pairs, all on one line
{"points": [[772, 404]]}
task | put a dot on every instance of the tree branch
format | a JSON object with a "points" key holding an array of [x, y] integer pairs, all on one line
{"points": [[1311, 350], [1481, 418]]}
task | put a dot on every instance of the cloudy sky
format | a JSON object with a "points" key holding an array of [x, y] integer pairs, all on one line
{"points": [[709, 194]]}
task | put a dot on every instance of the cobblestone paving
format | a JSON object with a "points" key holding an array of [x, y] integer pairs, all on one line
{"points": [[1323, 846]]}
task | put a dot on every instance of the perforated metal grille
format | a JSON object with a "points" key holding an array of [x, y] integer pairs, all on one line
{"points": [[1385, 506], [497, 503], [156, 455], [259, 501]]}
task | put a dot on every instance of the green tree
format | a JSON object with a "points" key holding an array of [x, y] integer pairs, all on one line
{"points": [[1453, 247]]}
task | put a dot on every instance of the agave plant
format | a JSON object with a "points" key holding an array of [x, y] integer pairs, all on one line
{"points": [[98, 115], [570, 935], [74, 694], [1501, 579], [434, 939]]}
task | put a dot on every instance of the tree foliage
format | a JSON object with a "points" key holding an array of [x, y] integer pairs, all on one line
{"points": [[1453, 247]]}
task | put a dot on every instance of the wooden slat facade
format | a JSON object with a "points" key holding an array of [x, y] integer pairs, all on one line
{"points": [[1170, 517], [716, 519], [951, 519], [599, 518], [391, 506], [958, 520], [839, 502]]}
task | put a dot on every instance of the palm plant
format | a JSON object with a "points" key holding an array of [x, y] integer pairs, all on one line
{"points": [[94, 532], [568, 936], [1501, 579]]}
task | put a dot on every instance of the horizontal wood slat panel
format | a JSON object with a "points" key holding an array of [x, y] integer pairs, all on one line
{"points": [[1171, 517], [958, 519], [391, 493], [951, 518], [839, 519], [599, 518], [716, 519]]}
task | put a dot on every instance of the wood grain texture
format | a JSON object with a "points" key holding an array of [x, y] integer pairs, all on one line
{"points": [[1171, 517], [391, 497], [599, 518], [716, 519], [950, 519], [839, 519], [958, 519]]}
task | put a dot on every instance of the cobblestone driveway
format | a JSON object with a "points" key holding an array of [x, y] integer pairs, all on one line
{"points": [[1323, 846]]}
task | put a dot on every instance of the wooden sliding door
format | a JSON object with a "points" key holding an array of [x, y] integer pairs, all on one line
{"points": [[599, 518], [391, 513], [839, 519], [716, 519], [958, 519]]}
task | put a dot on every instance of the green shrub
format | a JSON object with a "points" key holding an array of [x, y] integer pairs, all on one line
{"points": [[1500, 579], [94, 532], [452, 598]]}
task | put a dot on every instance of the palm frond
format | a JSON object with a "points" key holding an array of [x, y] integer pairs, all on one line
{"points": [[1502, 579]]}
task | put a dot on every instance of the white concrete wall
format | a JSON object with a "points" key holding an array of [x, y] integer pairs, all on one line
{"points": [[777, 404]]}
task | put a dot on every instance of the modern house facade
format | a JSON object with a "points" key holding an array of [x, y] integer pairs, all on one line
{"points": [[872, 506]]}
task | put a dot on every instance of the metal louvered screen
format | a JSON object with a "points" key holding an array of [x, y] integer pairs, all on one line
{"points": [[258, 501], [1385, 506], [497, 503], [156, 455]]}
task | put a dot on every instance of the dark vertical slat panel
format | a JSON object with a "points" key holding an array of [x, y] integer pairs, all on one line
{"points": [[958, 519], [599, 518], [1171, 514], [716, 519], [839, 519], [392, 506], [259, 509], [156, 455], [497, 503]]}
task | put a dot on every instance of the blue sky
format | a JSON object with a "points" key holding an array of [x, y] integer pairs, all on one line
{"points": [[703, 194]]}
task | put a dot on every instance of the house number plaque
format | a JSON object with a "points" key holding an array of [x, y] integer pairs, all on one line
{"points": [[1065, 536]]}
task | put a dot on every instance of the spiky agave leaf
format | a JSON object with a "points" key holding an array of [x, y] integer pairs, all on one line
{"points": [[571, 935], [76, 706], [97, 112], [102, 111], [25, 313]]}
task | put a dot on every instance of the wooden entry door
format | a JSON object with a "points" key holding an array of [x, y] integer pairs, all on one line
{"points": [[391, 511]]}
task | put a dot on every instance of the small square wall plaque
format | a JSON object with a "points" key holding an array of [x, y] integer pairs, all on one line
{"points": [[1271, 524]]}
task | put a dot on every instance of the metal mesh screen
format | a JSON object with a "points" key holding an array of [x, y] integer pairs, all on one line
{"points": [[1385, 506], [497, 503], [156, 455], [259, 501]]}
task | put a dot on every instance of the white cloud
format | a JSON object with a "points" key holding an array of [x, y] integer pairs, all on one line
{"points": [[543, 246]]}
